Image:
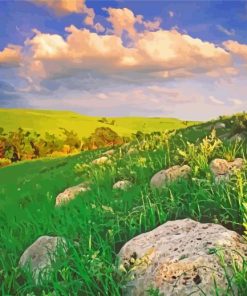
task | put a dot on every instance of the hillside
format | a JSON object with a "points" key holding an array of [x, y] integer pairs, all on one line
{"points": [[43, 121], [100, 221]]}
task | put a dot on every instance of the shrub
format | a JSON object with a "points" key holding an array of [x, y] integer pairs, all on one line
{"points": [[4, 162]]}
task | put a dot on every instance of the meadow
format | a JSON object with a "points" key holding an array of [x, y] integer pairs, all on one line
{"points": [[101, 220]]}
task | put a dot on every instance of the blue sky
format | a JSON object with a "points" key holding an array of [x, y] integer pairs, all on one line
{"points": [[183, 59]]}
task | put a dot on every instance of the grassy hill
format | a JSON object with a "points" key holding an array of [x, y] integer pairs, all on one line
{"points": [[45, 120], [103, 219]]}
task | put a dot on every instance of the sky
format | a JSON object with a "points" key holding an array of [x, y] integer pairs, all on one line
{"points": [[184, 59]]}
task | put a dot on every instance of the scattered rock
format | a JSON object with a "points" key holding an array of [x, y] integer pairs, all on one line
{"points": [[222, 169], [41, 254], [109, 152], [179, 258], [171, 174], [101, 160], [238, 137], [132, 150], [219, 125], [70, 193], [123, 185]]}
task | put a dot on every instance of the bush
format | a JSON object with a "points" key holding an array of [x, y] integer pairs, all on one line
{"points": [[4, 162]]}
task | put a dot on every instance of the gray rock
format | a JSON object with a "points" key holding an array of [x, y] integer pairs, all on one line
{"points": [[101, 160], [219, 125], [238, 137], [179, 258], [70, 194], [38, 258], [165, 176]]}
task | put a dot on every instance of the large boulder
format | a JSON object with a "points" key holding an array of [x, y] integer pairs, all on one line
{"points": [[164, 176], [222, 169], [180, 258], [70, 194], [123, 185], [39, 257]]}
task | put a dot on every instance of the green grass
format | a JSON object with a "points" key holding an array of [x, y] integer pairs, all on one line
{"points": [[102, 220], [50, 121]]}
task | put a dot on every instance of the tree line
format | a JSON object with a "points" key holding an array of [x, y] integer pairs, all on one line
{"points": [[24, 145]]}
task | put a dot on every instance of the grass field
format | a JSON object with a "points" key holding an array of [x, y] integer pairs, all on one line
{"points": [[50, 121], [103, 219]]}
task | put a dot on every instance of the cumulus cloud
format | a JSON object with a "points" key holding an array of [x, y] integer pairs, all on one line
{"points": [[10, 56], [161, 54], [124, 20], [228, 32], [62, 7], [236, 48]]}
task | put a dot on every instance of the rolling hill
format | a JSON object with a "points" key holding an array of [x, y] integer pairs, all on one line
{"points": [[50, 121]]}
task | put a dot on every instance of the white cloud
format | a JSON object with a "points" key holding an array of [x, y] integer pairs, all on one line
{"points": [[228, 32], [215, 101], [236, 48], [171, 13], [62, 7], [236, 102], [10, 56]]}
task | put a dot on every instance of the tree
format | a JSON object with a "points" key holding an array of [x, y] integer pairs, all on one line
{"points": [[102, 137]]}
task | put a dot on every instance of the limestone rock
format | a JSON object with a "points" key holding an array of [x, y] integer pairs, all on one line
{"points": [[109, 152], [222, 169], [238, 137], [179, 258], [171, 174], [123, 185], [101, 160], [219, 125], [41, 254], [70, 193], [132, 150]]}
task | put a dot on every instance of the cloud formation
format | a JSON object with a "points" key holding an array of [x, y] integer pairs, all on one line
{"points": [[228, 32], [236, 48], [62, 7], [161, 54], [10, 56]]}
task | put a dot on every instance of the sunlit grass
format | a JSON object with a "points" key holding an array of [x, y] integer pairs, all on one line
{"points": [[97, 223]]}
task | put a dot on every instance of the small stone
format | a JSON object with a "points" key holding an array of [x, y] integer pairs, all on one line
{"points": [[70, 194], [101, 160], [109, 152], [173, 173], [132, 151], [123, 185], [238, 137], [219, 125], [41, 254]]}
